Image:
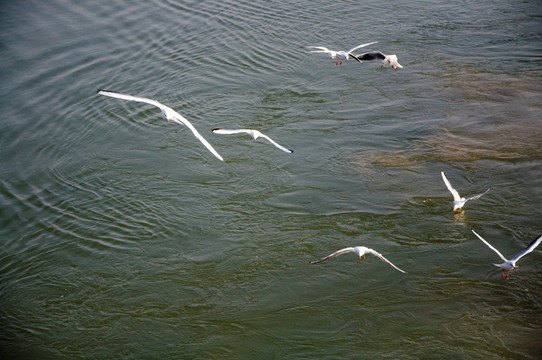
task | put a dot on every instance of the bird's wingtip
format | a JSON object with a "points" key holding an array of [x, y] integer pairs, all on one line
{"points": [[99, 91], [213, 130]]}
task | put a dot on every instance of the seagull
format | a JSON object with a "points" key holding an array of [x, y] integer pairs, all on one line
{"points": [[168, 114], [377, 55], [360, 251], [508, 265], [339, 55], [459, 201], [255, 134]]}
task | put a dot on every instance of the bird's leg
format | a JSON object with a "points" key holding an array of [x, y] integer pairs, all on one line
{"points": [[507, 271], [364, 258]]}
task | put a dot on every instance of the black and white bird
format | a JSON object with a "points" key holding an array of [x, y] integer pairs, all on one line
{"points": [[508, 265], [255, 134], [360, 251], [168, 114], [377, 55], [339, 55], [459, 201]]}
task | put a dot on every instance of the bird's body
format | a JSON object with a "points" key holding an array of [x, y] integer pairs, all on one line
{"points": [[168, 114], [339, 55], [459, 201], [360, 251], [254, 134], [377, 55], [508, 265]]}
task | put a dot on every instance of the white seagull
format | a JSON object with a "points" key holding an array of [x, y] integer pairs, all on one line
{"points": [[508, 265], [255, 134], [168, 114], [360, 251], [377, 55], [339, 55], [459, 201]]}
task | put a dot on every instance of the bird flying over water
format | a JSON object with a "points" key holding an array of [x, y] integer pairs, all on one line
{"points": [[255, 134], [377, 55], [339, 55], [360, 251], [168, 114], [508, 265], [459, 201]]}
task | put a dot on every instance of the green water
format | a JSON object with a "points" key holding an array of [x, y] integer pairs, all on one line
{"points": [[121, 236]]}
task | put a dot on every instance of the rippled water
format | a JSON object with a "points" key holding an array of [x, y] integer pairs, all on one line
{"points": [[123, 237]]}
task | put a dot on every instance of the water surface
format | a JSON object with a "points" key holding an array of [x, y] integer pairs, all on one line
{"points": [[123, 237]]}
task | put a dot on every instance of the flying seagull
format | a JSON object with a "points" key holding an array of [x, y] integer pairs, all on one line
{"points": [[377, 55], [459, 201], [339, 55], [255, 134], [360, 251], [508, 265], [168, 114]]}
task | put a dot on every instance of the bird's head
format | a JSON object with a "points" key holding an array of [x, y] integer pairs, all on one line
{"points": [[168, 114], [458, 205], [255, 135], [392, 60], [164, 114], [360, 251]]}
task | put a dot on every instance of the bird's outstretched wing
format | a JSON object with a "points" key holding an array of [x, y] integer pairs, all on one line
{"points": [[130, 98], [476, 196], [528, 249], [336, 253], [381, 257], [449, 186], [229, 132], [277, 145], [196, 133], [362, 45], [322, 49], [175, 116], [491, 247], [355, 57], [375, 55]]}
